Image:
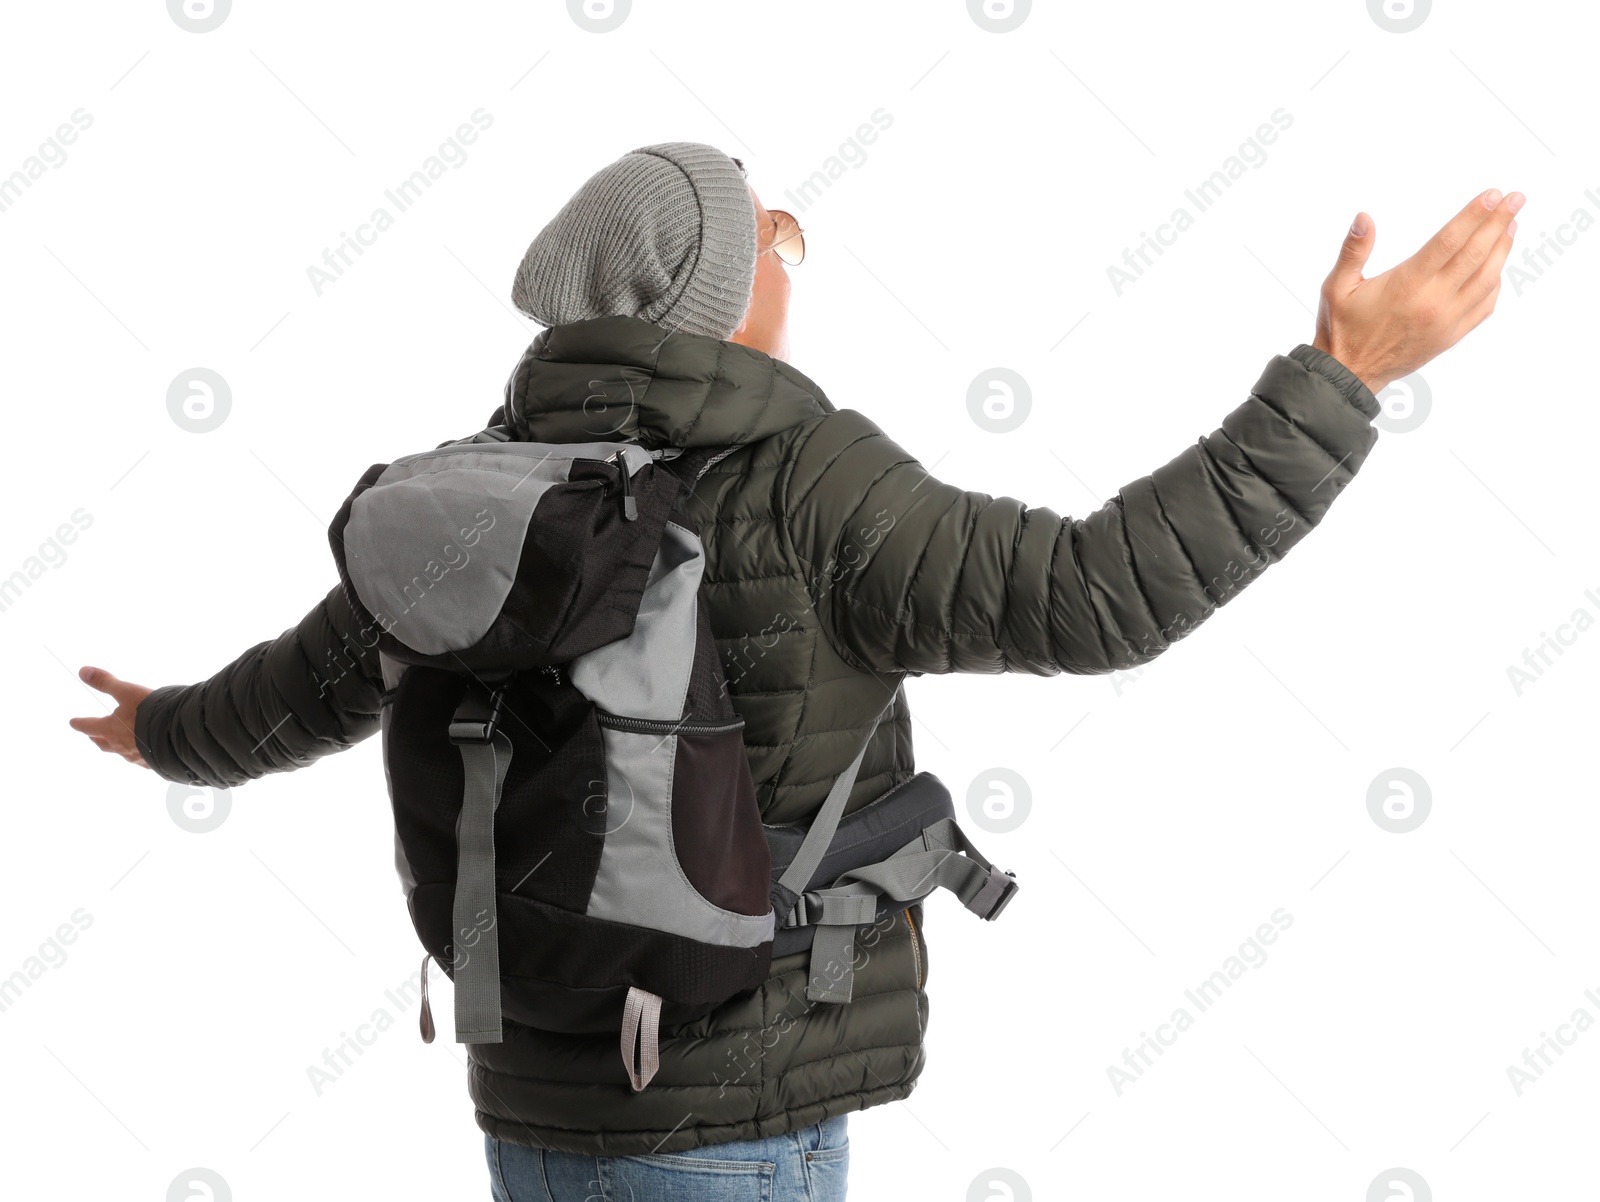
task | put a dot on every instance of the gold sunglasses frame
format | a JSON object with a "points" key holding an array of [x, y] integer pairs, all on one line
{"points": [[782, 247]]}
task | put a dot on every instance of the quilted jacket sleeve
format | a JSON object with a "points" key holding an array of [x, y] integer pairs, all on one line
{"points": [[281, 705], [910, 574]]}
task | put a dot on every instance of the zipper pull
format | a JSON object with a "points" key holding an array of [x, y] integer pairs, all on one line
{"points": [[630, 507], [427, 1011]]}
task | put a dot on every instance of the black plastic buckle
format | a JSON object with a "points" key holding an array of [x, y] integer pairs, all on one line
{"points": [[800, 913], [1006, 894], [475, 722]]}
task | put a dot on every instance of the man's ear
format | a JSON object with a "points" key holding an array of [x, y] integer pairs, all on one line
{"points": [[744, 322]]}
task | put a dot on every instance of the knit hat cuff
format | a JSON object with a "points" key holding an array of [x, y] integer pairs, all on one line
{"points": [[715, 290]]}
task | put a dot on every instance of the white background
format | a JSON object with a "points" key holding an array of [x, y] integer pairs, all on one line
{"points": [[1187, 803]]}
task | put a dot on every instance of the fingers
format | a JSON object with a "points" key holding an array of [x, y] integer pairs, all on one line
{"points": [[1455, 234], [1487, 277], [1483, 241], [99, 678], [108, 734], [1353, 255], [1475, 316]]}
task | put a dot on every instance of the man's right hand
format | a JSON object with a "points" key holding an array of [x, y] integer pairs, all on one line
{"points": [[1386, 327]]}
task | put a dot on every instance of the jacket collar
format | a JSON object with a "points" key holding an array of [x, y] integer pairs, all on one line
{"points": [[622, 378]]}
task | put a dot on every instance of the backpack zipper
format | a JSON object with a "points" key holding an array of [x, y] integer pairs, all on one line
{"points": [[654, 726], [630, 507]]}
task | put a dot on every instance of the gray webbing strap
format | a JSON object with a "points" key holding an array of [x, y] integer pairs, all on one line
{"points": [[485, 756], [833, 944], [641, 1024], [910, 878], [941, 857], [831, 975], [797, 876]]}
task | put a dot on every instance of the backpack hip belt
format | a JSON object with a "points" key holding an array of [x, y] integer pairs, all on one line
{"points": [[940, 856]]}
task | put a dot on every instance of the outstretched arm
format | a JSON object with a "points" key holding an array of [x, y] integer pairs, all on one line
{"points": [[914, 575], [281, 705]]}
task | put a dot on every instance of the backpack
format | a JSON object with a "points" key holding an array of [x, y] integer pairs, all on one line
{"points": [[576, 830]]}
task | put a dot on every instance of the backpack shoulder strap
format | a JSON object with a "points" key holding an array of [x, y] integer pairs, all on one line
{"points": [[786, 893]]}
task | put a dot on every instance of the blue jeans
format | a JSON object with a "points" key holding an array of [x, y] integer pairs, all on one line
{"points": [[808, 1165]]}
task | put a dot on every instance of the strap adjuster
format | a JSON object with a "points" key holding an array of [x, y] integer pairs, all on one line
{"points": [[475, 721], [1004, 884], [823, 908], [807, 907]]}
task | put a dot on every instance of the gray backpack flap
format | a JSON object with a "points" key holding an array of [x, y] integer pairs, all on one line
{"points": [[494, 555]]}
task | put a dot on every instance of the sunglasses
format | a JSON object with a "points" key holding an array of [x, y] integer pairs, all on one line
{"points": [[788, 239]]}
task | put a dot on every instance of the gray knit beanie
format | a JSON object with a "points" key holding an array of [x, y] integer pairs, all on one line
{"points": [[666, 233]]}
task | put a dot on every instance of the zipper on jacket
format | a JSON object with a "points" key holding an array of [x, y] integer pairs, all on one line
{"points": [[680, 726], [916, 945]]}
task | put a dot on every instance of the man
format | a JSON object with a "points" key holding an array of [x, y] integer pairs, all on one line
{"points": [[837, 567]]}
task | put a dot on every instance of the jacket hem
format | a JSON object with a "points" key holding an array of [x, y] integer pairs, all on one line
{"points": [[687, 1136]]}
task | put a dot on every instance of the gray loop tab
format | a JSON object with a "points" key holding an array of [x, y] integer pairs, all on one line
{"points": [[641, 1027], [832, 973]]}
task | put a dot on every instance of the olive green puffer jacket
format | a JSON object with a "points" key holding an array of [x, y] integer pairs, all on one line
{"points": [[836, 567]]}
